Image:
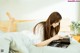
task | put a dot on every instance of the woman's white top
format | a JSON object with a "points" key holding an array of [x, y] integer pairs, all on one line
{"points": [[37, 37]]}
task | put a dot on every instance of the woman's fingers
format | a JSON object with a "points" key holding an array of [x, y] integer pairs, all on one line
{"points": [[56, 37], [61, 37]]}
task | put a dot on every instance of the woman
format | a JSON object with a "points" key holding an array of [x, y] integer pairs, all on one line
{"points": [[21, 42], [48, 30]]}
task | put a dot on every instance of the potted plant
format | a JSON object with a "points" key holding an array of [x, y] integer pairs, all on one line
{"points": [[75, 27]]}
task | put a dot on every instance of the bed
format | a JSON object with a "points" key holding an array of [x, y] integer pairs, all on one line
{"points": [[19, 44]]}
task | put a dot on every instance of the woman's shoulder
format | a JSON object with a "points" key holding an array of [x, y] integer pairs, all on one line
{"points": [[40, 24]]}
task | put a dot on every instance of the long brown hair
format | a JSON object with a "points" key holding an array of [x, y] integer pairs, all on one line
{"points": [[48, 29]]}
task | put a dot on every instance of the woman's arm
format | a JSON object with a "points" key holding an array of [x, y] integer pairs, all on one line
{"points": [[46, 42], [39, 32]]}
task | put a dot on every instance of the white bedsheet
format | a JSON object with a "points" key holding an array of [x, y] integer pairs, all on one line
{"points": [[20, 44], [74, 47]]}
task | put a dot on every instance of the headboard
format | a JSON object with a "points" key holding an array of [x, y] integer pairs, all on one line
{"points": [[4, 25], [20, 25]]}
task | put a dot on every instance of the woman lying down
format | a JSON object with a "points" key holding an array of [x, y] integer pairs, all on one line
{"points": [[25, 41]]}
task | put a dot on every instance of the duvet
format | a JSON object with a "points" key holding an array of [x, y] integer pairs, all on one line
{"points": [[18, 43]]}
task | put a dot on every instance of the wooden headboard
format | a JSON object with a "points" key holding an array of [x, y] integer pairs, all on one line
{"points": [[4, 25]]}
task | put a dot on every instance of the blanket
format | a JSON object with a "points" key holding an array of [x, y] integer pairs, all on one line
{"points": [[18, 43]]}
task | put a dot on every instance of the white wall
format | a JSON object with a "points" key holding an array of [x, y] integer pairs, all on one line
{"points": [[38, 9], [21, 8], [66, 9], [79, 11]]}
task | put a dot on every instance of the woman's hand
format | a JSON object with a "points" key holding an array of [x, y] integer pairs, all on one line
{"points": [[46, 42], [57, 37]]}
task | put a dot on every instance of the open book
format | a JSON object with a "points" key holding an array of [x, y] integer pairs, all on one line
{"points": [[62, 43]]}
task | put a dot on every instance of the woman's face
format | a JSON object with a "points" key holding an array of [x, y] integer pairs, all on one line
{"points": [[55, 24]]}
